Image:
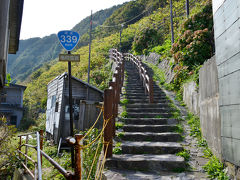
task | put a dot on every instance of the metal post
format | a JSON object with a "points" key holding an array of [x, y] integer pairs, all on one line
{"points": [[187, 8], [70, 106], [78, 157], [20, 146], [39, 158], [41, 142], [171, 15], [108, 101], [26, 149]]}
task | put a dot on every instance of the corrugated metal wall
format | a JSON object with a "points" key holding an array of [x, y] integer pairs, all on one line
{"points": [[227, 42]]}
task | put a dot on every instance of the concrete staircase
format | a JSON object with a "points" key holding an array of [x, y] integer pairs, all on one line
{"points": [[149, 141]]}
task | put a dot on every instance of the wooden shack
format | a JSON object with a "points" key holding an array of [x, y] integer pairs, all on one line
{"points": [[86, 99]]}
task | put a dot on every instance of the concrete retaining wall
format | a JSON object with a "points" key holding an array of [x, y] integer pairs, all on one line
{"points": [[164, 65], [209, 105], [191, 97], [204, 103]]}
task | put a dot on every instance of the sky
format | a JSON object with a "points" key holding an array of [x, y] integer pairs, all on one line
{"points": [[45, 17]]}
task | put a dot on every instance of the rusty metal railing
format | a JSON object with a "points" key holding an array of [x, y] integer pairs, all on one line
{"points": [[37, 164], [144, 76], [112, 99], [75, 141]]}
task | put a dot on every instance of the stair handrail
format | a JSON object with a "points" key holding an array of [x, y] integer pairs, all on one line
{"points": [[143, 74], [112, 99]]}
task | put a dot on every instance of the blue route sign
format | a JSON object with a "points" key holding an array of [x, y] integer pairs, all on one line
{"points": [[68, 39]]}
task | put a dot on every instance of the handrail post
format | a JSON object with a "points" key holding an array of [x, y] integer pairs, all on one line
{"points": [[20, 145], [108, 102], [151, 99], [39, 158], [78, 160], [115, 105], [41, 142], [26, 149]]}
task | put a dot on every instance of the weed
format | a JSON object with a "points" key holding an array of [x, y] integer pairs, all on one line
{"points": [[124, 114], [185, 154], [179, 128], [117, 149], [124, 101], [120, 134], [215, 169], [158, 116], [207, 152], [119, 125], [202, 143]]}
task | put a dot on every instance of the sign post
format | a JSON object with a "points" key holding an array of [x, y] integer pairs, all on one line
{"points": [[69, 40]]}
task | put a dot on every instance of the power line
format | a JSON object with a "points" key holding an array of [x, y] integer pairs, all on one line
{"points": [[125, 21]]}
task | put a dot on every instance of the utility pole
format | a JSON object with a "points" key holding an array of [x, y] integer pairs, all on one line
{"points": [[120, 44], [171, 15], [187, 8], [90, 41], [89, 55]]}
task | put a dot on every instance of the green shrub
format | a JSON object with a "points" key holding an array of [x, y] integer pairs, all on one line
{"points": [[163, 50], [8, 145]]}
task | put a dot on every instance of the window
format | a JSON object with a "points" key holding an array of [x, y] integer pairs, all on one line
{"points": [[53, 101], [3, 99], [56, 106], [3, 95], [13, 120]]}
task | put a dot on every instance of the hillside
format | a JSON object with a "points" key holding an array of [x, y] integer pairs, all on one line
{"points": [[146, 35], [34, 52]]}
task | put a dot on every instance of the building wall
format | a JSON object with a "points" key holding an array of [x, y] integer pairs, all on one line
{"points": [[227, 42], [57, 121], [55, 95], [14, 96], [4, 34]]}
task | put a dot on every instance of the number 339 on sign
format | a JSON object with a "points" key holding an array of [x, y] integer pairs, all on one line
{"points": [[68, 39]]}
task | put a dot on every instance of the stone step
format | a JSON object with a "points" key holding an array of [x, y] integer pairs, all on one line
{"points": [[149, 128], [134, 89], [148, 115], [140, 90], [129, 147], [133, 101], [146, 98], [153, 137], [138, 94], [146, 162], [138, 85], [146, 109], [147, 105], [149, 121]]}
